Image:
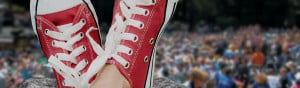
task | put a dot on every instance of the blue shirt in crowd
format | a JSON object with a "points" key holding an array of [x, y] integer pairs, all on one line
{"points": [[224, 81]]}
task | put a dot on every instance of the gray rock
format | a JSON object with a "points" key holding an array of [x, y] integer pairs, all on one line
{"points": [[166, 83], [38, 83], [51, 83]]}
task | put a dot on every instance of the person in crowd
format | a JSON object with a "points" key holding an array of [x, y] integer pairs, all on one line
{"points": [[292, 72], [224, 78], [296, 84], [273, 78], [258, 58], [199, 78], [261, 81], [243, 73], [284, 80]]}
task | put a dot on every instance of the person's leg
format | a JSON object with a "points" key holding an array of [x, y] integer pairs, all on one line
{"points": [[110, 75]]}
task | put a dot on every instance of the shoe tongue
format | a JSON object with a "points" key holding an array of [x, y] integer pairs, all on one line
{"points": [[65, 26], [63, 14], [53, 6], [64, 18]]}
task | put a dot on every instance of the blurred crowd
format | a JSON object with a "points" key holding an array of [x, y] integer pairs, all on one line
{"points": [[243, 57], [21, 58], [22, 61], [13, 15]]}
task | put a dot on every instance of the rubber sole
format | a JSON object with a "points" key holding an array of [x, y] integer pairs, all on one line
{"points": [[170, 9]]}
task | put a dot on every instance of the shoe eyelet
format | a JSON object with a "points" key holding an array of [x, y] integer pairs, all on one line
{"points": [[146, 13], [124, 19], [154, 2], [151, 42], [78, 74], [57, 57], [126, 65], [61, 71], [83, 21], [141, 26], [130, 52], [53, 43], [84, 48], [46, 31], [146, 59], [66, 41], [73, 76], [135, 39], [81, 34], [86, 61]]}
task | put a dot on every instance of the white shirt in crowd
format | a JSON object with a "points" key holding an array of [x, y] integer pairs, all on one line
{"points": [[273, 81]]}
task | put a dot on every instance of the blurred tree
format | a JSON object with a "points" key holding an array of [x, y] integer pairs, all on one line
{"points": [[23, 3], [236, 12], [278, 13], [194, 11], [294, 13]]}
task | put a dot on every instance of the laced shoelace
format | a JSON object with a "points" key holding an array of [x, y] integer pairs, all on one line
{"points": [[128, 8], [65, 41]]}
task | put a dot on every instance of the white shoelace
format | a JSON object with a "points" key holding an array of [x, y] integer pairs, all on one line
{"points": [[128, 8], [65, 40]]}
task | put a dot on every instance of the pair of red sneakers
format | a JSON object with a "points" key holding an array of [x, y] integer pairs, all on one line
{"points": [[69, 35]]}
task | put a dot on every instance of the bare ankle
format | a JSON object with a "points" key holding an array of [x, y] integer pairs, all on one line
{"points": [[110, 77]]}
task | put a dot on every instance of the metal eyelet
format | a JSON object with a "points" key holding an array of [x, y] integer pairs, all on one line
{"points": [[84, 48], [124, 19], [73, 76], [146, 13], [83, 21], [135, 39], [61, 71], [46, 31], [126, 65], [53, 43], [81, 34], [151, 42], [57, 57], [130, 52], [141, 26], [154, 2], [86, 61], [146, 59], [78, 74]]}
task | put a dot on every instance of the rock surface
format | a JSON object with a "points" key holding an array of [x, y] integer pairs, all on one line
{"points": [[51, 83]]}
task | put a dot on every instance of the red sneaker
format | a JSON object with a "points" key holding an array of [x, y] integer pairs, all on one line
{"points": [[135, 31], [67, 30]]}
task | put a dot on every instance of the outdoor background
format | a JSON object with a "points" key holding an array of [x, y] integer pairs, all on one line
{"points": [[249, 36]]}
